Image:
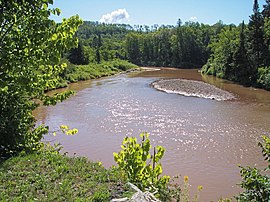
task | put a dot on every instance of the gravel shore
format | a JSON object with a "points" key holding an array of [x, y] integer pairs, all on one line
{"points": [[192, 88]]}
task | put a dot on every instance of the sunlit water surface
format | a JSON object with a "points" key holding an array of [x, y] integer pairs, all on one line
{"points": [[205, 139]]}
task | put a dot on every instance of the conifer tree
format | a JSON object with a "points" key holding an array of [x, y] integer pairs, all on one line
{"points": [[79, 56], [266, 15], [242, 70], [266, 9], [98, 59], [257, 47]]}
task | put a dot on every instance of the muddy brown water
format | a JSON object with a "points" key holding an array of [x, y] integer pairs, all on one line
{"points": [[204, 139]]}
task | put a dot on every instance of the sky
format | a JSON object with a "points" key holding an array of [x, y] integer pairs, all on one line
{"points": [[161, 12]]}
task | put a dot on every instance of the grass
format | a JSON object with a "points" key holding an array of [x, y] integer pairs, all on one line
{"points": [[49, 176], [75, 73]]}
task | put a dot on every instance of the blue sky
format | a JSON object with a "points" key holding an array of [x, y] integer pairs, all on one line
{"points": [[158, 11]]}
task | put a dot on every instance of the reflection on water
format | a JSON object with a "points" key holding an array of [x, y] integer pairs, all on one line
{"points": [[204, 139]]}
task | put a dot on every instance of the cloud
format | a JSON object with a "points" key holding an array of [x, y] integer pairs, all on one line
{"points": [[194, 18], [115, 16]]}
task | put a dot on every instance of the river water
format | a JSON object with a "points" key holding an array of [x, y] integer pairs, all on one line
{"points": [[205, 139]]}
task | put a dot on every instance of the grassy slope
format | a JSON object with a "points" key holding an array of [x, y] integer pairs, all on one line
{"points": [[53, 177], [75, 73]]}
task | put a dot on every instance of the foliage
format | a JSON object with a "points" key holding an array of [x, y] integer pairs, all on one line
{"points": [[265, 145], [31, 46], [177, 46], [79, 55], [241, 53], [48, 176], [257, 47], [75, 73], [103, 42], [264, 77], [140, 167], [222, 48], [184, 46], [255, 182]]}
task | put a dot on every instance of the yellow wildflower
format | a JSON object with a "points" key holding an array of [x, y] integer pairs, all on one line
{"points": [[186, 179]]}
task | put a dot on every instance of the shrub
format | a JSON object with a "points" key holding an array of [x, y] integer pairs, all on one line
{"points": [[255, 183], [140, 167], [17, 130], [264, 77]]}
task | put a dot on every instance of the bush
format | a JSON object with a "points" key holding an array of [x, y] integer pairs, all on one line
{"points": [[264, 77], [256, 185], [209, 69], [140, 167], [74, 73], [17, 124]]}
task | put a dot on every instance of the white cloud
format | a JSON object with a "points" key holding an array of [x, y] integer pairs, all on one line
{"points": [[116, 16], [194, 18]]}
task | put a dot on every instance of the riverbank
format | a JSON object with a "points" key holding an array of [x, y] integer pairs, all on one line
{"points": [[262, 77], [47, 176], [74, 73]]}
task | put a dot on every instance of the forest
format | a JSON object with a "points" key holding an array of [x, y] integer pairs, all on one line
{"points": [[238, 53], [184, 45]]}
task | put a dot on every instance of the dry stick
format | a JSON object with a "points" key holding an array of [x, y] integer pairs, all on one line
{"points": [[154, 156]]}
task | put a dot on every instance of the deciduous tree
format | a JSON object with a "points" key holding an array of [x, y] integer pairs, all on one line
{"points": [[31, 46]]}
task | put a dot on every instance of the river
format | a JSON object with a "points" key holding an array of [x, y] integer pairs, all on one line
{"points": [[205, 139]]}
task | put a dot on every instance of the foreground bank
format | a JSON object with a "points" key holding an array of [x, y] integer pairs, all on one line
{"points": [[48, 176]]}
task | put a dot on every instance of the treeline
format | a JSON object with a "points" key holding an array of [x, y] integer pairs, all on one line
{"points": [[242, 53], [238, 53], [99, 42], [184, 45]]}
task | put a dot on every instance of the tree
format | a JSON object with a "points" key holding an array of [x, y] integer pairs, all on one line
{"points": [[79, 55], [98, 59], [133, 48], [257, 47], [221, 63], [266, 9], [266, 15], [31, 46], [97, 44], [242, 70], [179, 22]]}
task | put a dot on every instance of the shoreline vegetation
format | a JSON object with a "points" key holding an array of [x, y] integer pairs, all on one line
{"points": [[74, 73]]}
